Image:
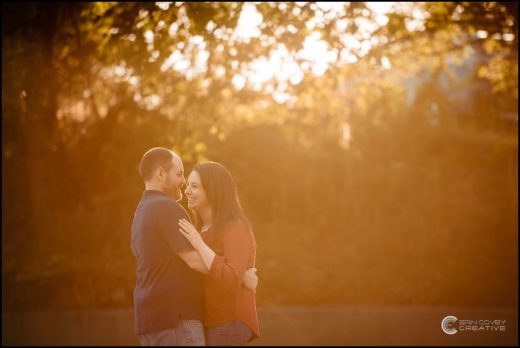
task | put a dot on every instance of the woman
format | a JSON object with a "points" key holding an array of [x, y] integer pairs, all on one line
{"points": [[227, 246]]}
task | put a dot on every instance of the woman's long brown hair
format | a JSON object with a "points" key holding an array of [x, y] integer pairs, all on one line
{"points": [[222, 196]]}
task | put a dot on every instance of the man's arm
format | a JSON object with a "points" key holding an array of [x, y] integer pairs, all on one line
{"points": [[194, 261], [250, 279]]}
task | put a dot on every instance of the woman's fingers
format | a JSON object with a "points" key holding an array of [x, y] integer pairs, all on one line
{"points": [[186, 225], [184, 230]]}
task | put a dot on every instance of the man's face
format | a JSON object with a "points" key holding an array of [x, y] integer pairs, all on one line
{"points": [[175, 180]]}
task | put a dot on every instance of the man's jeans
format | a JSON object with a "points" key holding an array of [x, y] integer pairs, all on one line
{"points": [[232, 333], [186, 333]]}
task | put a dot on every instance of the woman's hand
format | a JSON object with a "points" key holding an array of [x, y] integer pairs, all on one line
{"points": [[191, 233]]}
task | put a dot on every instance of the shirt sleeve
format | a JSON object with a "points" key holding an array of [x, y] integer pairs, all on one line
{"points": [[168, 227], [228, 269]]}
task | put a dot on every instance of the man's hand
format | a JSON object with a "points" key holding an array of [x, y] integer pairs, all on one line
{"points": [[250, 279]]}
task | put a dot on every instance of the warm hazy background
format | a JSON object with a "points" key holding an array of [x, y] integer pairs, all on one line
{"points": [[374, 146]]}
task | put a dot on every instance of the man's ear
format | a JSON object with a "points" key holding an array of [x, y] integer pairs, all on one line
{"points": [[160, 172]]}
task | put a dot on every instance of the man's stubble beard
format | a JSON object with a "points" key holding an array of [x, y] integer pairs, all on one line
{"points": [[172, 191]]}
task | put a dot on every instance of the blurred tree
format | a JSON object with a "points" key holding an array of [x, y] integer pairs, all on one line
{"points": [[88, 87]]}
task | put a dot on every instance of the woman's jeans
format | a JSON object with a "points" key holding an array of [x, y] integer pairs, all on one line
{"points": [[186, 333], [232, 333]]}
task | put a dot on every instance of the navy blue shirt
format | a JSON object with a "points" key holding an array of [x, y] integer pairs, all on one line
{"points": [[166, 289]]}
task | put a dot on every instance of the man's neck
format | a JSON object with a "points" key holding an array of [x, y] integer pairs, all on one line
{"points": [[153, 186]]}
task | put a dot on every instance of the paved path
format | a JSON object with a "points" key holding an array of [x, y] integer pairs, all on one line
{"points": [[354, 325]]}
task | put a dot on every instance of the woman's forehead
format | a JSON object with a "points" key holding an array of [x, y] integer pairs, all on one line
{"points": [[194, 176], [177, 164]]}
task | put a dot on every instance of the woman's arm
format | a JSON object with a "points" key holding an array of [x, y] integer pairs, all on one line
{"points": [[194, 237], [194, 261], [229, 269]]}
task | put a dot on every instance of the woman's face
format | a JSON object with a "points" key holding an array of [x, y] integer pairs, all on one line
{"points": [[195, 193]]}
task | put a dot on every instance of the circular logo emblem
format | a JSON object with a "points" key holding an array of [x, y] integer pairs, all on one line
{"points": [[445, 325]]}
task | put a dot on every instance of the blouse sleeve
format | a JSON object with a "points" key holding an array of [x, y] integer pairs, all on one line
{"points": [[228, 269]]}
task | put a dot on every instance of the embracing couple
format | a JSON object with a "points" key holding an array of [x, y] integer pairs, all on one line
{"points": [[195, 282]]}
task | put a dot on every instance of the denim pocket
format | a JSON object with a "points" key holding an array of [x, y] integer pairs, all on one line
{"points": [[187, 332], [231, 333], [192, 333]]}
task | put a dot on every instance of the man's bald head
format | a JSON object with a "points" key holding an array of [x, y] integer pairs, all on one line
{"points": [[154, 158]]}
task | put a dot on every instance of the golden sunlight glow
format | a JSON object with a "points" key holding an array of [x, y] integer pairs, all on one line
{"points": [[193, 62], [508, 37], [248, 23], [148, 36], [330, 6], [380, 7], [165, 5], [281, 65], [346, 135], [317, 52], [383, 133], [151, 102], [385, 62], [482, 34]]}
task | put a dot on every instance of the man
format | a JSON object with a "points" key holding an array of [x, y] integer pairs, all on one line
{"points": [[168, 291]]}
